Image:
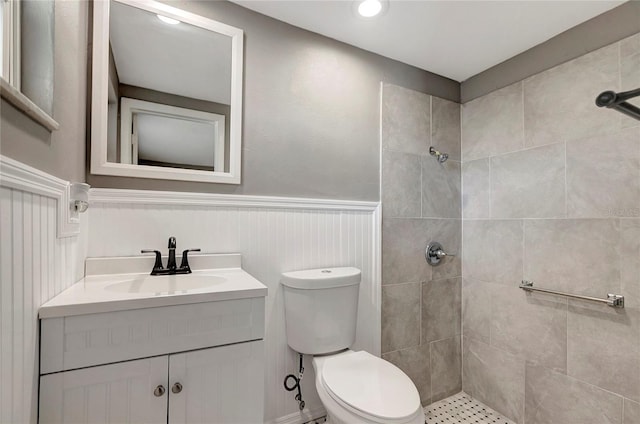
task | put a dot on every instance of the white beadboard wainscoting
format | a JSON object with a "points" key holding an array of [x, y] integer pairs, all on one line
{"points": [[42, 251], [273, 235]]}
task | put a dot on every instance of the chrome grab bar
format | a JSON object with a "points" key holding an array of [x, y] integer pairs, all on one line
{"points": [[613, 300]]}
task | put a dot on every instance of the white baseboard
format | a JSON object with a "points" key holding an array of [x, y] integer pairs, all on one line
{"points": [[301, 417]]}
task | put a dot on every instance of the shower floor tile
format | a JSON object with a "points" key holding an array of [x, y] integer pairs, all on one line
{"points": [[462, 409]]}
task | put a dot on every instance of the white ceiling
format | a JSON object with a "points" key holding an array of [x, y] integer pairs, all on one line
{"points": [[178, 59], [456, 39]]}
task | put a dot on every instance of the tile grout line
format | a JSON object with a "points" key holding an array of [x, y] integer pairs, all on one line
{"points": [[490, 190], [524, 132], [420, 287], [430, 374], [566, 188]]}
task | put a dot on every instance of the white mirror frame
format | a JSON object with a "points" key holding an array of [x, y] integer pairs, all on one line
{"points": [[100, 87]]}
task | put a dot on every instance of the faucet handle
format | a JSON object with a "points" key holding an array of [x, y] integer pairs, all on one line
{"points": [[184, 264], [172, 243], [158, 265]]}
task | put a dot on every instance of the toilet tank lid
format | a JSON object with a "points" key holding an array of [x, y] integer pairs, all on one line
{"points": [[321, 278]]}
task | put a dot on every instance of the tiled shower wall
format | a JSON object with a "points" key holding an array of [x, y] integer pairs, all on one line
{"points": [[421, 203], [551, 193]]}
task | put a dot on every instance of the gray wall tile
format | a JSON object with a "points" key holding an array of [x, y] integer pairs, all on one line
{"points": [[493, 251], [631, 412], [415, 362], [445, 126], [446, 371], [493, 124], [554, 398], [476, 196], [494, 377], [575, 256], [440, 188], [559, 104], [529, 184], [403, 244], [401, 184], [604, 348], [441, 309], [400, 316], [603, 175], [406, 120], [476, 309], [530, 325]]}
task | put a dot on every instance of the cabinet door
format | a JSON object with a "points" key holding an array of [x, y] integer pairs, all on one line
{"points": [[221, 385], [118, 393]]}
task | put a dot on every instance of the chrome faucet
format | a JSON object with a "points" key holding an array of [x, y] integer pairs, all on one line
{"points": [[171, 268]]}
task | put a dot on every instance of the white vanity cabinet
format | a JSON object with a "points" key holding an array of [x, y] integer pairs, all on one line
{"points": [[134, 348], [219, 385], [193, 363], [216, 385], [116, 393]]}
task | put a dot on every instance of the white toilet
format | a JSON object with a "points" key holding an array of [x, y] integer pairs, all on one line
{"points": [[321, 308]]}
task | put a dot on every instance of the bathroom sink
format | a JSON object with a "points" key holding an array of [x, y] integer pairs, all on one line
{"points": [[124, 283], [165, 284]]}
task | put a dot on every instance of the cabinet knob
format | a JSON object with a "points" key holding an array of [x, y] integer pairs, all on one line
{"points": [[177, 388], [159, 391]]}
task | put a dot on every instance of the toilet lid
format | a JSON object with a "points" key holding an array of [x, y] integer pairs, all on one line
{"points": [[371, 385]]}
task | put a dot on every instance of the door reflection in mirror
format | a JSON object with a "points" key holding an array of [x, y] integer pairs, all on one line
{"points": [[155, 134]]}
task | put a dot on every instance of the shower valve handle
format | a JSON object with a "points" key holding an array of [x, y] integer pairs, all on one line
{"points": [[434, 253]]}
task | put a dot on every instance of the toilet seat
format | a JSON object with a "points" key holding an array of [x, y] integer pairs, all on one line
{"points": [[370, 387]]}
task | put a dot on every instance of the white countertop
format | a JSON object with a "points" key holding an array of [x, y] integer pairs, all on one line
{"points": [[118, 292]]}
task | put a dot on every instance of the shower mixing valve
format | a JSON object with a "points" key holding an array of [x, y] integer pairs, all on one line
{"points": [[434, 253]]}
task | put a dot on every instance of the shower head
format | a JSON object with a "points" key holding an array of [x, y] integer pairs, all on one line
{"points": [[441, 157], [618, 102]]}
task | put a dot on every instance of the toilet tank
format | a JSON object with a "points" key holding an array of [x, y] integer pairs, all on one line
{"points": [[321, 309]]}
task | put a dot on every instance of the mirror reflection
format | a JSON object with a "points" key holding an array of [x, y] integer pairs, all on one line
{"points": [[169, 92]]}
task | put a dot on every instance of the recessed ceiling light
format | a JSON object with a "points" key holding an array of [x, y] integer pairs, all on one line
{"points": [[169, 21], [369, 8]]}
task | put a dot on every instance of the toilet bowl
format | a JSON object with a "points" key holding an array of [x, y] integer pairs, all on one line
{"points": [[355, 387]]}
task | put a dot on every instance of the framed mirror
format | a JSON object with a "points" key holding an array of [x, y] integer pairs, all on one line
{"points": [[166, 93]]}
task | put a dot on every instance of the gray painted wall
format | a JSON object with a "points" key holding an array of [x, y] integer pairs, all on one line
{"points": [[311, 117], [311, 112], [61, 153]]}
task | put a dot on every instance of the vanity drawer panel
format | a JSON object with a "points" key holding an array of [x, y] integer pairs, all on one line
{"points": [[86, 340]]}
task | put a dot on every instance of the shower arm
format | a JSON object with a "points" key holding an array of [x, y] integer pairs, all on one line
{"points": [[618, 102]]}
